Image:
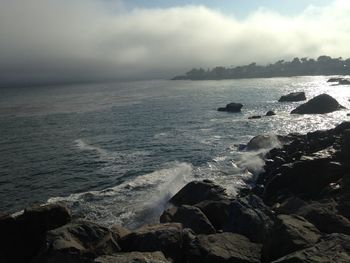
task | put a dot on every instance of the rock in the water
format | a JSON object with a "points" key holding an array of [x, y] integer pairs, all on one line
{"points": [[265, 141], [159, 237], [333, 248], [254, 117], [190, 217], [344, 82], [133, 257], [289, 234], [224, 247], [198, 191], [78, 242], [270, 113], [232, 107], [334, 79], [318, 105], [250, 217], [294, 96]]}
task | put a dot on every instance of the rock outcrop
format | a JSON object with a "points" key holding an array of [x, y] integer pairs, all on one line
{"points": [[320, 104], [232, 107], [294, 96]]}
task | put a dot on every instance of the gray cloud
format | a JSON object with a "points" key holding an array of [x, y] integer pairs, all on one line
{"points": [[84, 40]]}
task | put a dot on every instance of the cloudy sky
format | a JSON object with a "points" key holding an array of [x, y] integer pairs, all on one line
{"points": [[51, 41]]}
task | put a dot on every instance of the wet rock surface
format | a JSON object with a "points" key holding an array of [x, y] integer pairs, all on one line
{"points": [[294, 96], [297, 211]]}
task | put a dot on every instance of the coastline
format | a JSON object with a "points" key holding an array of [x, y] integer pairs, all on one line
{"points": [[299, 205]]}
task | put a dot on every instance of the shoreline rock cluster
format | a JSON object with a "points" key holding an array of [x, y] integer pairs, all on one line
{"points": [[298, 211]]}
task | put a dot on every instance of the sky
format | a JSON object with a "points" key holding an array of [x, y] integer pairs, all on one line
{"points": [[51, 41]]}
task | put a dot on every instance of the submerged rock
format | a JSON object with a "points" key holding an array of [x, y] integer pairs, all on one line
{"points": [[294, 96], [270, 113], [254, 117], [318, 105], [232, 107]]}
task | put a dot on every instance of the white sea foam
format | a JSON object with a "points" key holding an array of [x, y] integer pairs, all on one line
{"points": [[136, 201]]}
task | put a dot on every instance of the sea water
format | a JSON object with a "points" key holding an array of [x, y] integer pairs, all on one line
{"points": [[115, 153]]}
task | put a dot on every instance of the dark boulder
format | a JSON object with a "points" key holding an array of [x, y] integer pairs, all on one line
{"points": [[133, 257], [294, 96], [79, 241], [223, 247], [289, 234], [333, 248], [216, 211], [25, 233], [265, 141], [198, 191], [190, 217], [318, 105], [270, 113], [249, 216], [167, 238], [232, 107]]}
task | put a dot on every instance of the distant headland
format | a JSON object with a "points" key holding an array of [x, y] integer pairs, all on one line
{"points": [[323, 65]]}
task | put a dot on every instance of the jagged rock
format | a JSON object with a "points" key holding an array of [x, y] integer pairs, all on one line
{"points": [[159, 237], [294, 96], [325, 216], [133, 257], [232, 107], [306, 177], [265, 141], [250, 217], [270, 113], [79, 241], [318, 105], [333, 248], [190, 217], [254, 117], [216, 211], [289, 233], [345, 144], [23, 236], [198, 191], [223, 247]]}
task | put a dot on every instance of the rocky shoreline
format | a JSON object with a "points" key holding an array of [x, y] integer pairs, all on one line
{"points": [[297, 211]]}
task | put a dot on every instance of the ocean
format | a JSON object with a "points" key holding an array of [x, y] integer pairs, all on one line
{"points": [[115, 153]]}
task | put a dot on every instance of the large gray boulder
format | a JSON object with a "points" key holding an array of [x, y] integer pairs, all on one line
{"points": [[198, 191], [318, 105], [294, 96], [190, 217], [133, 257], [334, 248], [263, 141], [79, 241], [216, 211], [223, 247], [158, 237], [232, 107], [289, 233]]}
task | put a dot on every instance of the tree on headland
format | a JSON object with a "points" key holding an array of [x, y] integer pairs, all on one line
{"points": [[323, 65]]}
